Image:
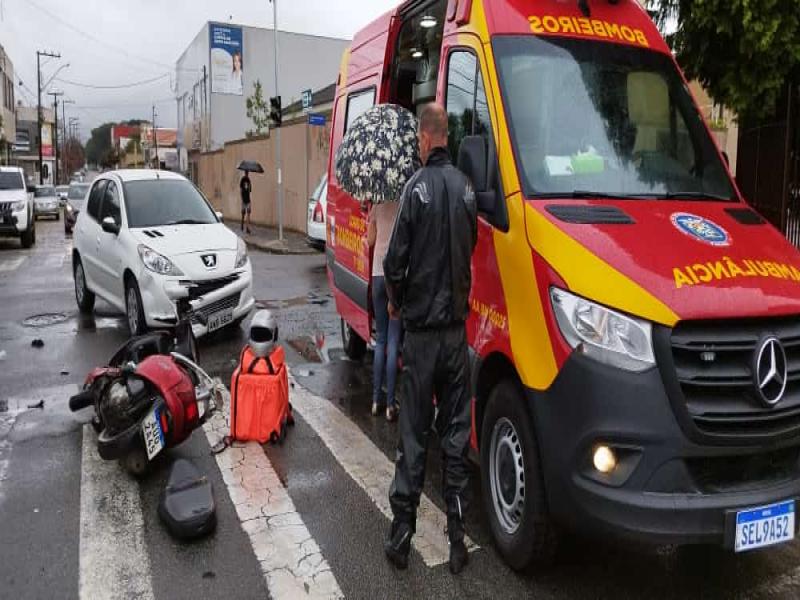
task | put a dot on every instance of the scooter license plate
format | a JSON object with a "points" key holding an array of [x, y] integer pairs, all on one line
{"points": [[219, 319], [153, 436]]}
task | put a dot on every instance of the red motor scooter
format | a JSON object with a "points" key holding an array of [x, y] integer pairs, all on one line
{"points": [[151, 396]]}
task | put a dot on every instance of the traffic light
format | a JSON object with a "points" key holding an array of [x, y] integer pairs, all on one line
{"points": [[275, 113]]}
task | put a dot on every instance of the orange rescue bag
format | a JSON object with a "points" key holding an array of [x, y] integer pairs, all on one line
{"points": [[260, 409]]}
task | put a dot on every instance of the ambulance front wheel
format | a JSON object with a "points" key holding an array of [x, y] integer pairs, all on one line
{"points": [[512, 481], [354, 346]]}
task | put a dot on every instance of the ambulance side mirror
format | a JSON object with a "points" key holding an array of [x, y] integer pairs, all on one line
{"points": [[483, 171]]}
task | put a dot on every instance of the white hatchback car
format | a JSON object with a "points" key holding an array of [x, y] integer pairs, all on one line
{"points": [[143, 237], [317, 210]]}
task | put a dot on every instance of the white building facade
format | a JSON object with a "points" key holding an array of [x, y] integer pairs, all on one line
{"points": [[217, 73]]}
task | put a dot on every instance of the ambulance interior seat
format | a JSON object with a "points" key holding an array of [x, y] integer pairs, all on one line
{"points": [[648, 110]]}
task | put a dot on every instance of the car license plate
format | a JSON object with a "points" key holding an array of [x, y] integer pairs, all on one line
{"points": [[219, 319], [153, 436], [764, 526]]}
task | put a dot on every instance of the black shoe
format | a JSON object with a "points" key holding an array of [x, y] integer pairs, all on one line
{"points": [[398, 546], [459, 557]]}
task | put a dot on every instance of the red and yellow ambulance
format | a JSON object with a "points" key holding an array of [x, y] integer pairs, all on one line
{"points": [[635, 326]]}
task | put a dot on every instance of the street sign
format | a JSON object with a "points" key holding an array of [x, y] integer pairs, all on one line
{"points": [[316, 120], [307, 99]]}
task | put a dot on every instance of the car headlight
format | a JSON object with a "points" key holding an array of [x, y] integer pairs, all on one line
{"points": [[157, 263], [17, 206], [241, 254], [603, 334], [68, 207]]}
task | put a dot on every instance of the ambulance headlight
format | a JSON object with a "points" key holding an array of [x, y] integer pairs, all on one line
{"points": [[603, 334]]}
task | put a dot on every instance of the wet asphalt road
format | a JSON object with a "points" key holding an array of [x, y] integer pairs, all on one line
{"points": [[40, 467]]}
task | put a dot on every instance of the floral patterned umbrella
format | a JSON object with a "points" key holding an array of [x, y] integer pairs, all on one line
{"points": [[379, 154]]}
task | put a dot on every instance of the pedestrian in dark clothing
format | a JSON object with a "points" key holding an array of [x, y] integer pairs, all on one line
{"points": [[428, 280], [245, 187]]}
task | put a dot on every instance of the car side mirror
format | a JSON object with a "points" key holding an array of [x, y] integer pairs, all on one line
{"points": [[220, 216], [110, 226], [483, 172]]}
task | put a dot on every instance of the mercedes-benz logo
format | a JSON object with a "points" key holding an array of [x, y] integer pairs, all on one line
{"points": [[770, 371]]}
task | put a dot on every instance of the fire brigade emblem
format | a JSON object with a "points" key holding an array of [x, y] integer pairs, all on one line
{"points": [[701, 229]]}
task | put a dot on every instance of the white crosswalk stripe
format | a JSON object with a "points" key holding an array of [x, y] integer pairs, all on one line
{"points": [[11, 264], [372, 471], [290, 559], [111, 520]]}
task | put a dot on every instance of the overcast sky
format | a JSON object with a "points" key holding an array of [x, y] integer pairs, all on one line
{"points": [[117, 42]]}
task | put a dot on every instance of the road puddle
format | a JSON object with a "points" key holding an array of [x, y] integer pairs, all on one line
{"points": [[44, 320]]}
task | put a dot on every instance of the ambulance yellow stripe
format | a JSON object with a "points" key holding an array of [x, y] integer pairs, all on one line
{"points": [[588, 275], [530, 341]]}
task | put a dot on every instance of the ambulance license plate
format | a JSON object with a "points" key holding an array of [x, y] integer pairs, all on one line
{"points": [[764, 526], [219, 319], [153, 436]]}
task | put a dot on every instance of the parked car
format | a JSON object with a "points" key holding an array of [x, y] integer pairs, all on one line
{"points": [[17, 217], [62, 191], [143, 237], [45, 202], [76, 198], [317, 211]]}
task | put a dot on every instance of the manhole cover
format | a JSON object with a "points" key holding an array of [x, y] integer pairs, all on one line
{"points": [[44, 320]]}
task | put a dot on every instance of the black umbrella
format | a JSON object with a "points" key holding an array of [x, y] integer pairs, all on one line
{"points": [[379, 154], [250, 166]]}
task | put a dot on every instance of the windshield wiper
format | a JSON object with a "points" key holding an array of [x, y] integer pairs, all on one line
{"points": [[693, 196], [187, 222], [587, 194]]}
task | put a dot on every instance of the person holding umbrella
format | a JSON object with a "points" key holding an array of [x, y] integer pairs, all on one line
{"points": [[246, 188], [428, 279], [378, 155]]}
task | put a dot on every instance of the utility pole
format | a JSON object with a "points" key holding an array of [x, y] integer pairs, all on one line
{"points": [[278, 132], [155, 137], [55, 96], [39, 54]]}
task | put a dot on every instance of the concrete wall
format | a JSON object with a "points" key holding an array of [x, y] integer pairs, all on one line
{"points": [[218, 178]]}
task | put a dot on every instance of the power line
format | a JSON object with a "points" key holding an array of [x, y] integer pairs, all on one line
{"points": [[89, 36], [127, 105], [114, 87]]}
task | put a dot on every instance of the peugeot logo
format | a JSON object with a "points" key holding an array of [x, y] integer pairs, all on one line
{"points": [[770, 372], [210, 261]]}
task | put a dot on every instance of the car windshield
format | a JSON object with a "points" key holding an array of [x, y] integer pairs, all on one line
{"points": [[318, 190], [10, 180], [158, 202], [598, 119], [62, 189], [44, 191], [77, 192]]}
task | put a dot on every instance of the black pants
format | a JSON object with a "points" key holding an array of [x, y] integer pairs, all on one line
{"points": [[434, 362]]}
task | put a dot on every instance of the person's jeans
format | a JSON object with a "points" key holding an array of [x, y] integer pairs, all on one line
{"points": [[387, 333]]}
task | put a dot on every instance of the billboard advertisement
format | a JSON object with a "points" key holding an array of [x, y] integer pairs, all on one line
{"points": [[47, 140], [227, 49]]}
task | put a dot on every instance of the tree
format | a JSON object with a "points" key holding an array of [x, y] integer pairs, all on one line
{"points": [[257, 110], [73, 155], [744, 52], [98, 148]]}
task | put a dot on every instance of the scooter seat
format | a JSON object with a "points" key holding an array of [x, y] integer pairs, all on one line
{"points": [[187, 504]]}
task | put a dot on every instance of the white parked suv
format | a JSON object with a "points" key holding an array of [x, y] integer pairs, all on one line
{"points": [[16, 207], [143, 237]]}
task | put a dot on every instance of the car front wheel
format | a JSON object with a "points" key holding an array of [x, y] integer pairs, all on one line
{"points": [[134, 310], [512, 481], [354, 346], [84, 297]]}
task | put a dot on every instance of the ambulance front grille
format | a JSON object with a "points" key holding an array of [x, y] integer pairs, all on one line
{"points": [[714, 364]]}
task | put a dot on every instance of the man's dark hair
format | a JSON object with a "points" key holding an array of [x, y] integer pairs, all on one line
{"points": [[433, 121]]}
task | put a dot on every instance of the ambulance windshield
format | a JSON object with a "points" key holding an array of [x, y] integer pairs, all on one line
{"points": [[593, 118]]}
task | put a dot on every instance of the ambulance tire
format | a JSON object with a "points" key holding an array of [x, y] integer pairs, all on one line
{"points": [[523, 532], [354, 347]]}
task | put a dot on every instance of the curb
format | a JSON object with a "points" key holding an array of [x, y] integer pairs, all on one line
{"points": [[278, 248]]}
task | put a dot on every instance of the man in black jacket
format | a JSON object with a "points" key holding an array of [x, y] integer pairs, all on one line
{"points": [[428, 279]]}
